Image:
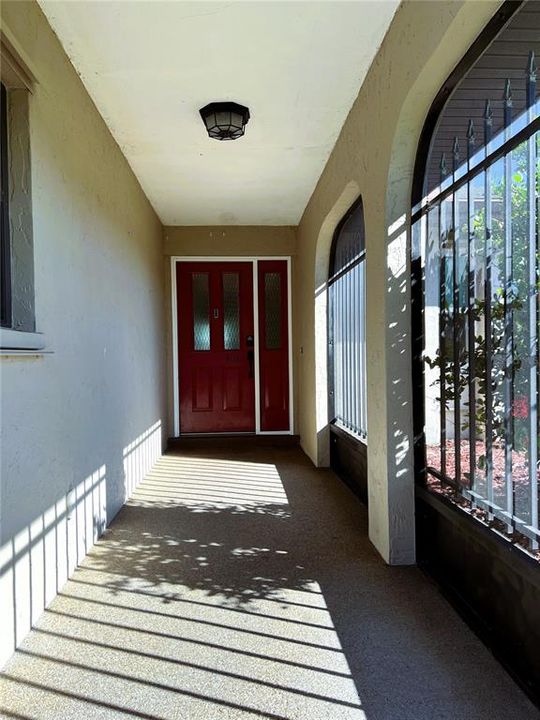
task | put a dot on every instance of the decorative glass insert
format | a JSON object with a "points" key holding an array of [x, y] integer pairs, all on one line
{"points": [[272, 307], [201, 311], [231, 311]]}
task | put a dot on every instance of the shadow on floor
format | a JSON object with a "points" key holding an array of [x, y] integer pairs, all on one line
{"points": [[239, 583]]}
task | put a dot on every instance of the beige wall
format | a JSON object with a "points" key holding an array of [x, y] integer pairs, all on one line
{"points": [[227, 241], [230, 240], [374, 156], [79, 425]]}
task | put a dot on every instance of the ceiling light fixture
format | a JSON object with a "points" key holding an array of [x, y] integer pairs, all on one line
{"points": [[225, 120]]}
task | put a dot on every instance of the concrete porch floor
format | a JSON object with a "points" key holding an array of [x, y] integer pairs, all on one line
{"points": [[239, 583]]}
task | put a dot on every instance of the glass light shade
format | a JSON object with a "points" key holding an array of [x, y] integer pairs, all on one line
{"points": [[225, 120]]}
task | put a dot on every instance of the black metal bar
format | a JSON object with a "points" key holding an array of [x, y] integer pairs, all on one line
{"points": [[508, 313], [330, 310], [344, 378], [532, 301], [342, 359], [506, 147], [352, 312], [418, 348], [363, 355], [5, 244], [456, 321], [507, 103], [488, 128], [470, 140], [471, 275], [355, 313], [455, 155], [443, 329], [442, 168], [348, 327], [531, 81], [537, 141]]}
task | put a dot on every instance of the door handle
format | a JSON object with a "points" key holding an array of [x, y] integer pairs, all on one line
{"points": [[251, 361]]}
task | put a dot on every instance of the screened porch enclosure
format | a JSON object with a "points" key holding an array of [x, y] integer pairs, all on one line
{"points": [[347, 328], [475, 238], [347, 388]]}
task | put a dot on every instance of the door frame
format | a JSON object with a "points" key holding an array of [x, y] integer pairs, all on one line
{"points": [[175, 259]]}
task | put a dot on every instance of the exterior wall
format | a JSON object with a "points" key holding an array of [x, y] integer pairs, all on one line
{"points": [[374, 156], [227, 241], [230, 240], [79, 425]]}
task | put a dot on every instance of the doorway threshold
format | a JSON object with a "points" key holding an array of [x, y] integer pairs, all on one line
{"points": [[233, 440]]}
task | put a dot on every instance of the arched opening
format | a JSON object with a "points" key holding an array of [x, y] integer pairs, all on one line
{"points": [[347, 387], [475, 329], [317, 439]]}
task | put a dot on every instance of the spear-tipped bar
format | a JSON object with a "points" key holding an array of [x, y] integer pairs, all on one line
{"points": [[470, 139], [443, 167], [530, 75], [455, 154], [507, 102], [488, 122]]}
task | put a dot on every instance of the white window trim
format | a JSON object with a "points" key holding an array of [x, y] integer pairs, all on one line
{"points": [[21, 342]]}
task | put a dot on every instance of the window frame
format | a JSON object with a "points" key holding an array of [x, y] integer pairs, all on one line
{"points": [[421, 208], [18, 334]]}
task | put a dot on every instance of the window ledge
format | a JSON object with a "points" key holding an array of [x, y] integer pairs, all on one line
{"points": [[17, 342]]}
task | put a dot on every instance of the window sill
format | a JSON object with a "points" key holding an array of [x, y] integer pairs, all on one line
{"points": [[17, 342]]}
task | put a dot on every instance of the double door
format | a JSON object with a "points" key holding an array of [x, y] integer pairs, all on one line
{"points": [[233, 346]]}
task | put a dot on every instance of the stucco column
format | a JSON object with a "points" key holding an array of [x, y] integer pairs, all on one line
{"points": [[390, 468]]}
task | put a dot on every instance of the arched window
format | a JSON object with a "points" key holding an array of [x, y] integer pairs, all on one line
{"points": [[346, 319], [476, 276]]}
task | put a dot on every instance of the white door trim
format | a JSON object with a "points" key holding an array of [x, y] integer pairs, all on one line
{"points": [[174, 334]]}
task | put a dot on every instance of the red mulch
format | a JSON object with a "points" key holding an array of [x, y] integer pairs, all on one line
{"points": [[520, 477]]}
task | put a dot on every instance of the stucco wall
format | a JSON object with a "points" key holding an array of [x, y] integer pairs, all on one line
{"points": [[374, 156], [227, 241], [79, 425]]}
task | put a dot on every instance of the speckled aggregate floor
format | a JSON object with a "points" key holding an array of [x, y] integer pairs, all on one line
{"points": [[239, 583]]}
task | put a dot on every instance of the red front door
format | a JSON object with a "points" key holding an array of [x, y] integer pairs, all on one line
{"points": [[216, 347]]}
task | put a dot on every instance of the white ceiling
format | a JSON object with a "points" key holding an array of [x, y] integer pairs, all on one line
{"points": [[149, 66]]}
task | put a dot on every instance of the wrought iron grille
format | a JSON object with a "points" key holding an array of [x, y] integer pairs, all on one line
{"points": [[346, 319], [475, 242]]}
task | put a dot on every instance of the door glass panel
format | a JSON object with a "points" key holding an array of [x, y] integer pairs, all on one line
{"points": [[272, 307], [201, 311], [231, 311]]}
